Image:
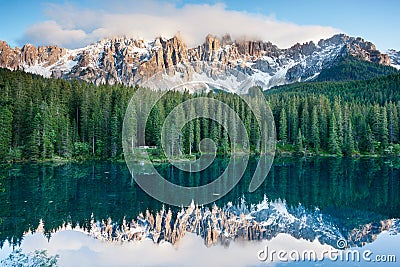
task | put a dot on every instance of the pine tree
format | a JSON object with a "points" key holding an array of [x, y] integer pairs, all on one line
{"points": [[375, 117], [153, 127], [255, 138], [384, 128], [64, 137], [324, 110], [21, 122], [190, 130], [233, 131], [293, 120], [48, 131], [205, 123], [84, 116], [305, 121], [370, 140], [197, 135], [283, 126], [337, 109], [333, 145], [299, 142], [349, 139], [315, 129], [225, 142], [35, 139], [115, 130], [396, 116], [6, 131], [393, 126], [215, 127]]}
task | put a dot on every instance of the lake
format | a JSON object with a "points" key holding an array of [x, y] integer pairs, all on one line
{"points": [[311, 199]]}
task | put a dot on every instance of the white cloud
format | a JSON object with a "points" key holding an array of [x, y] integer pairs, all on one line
{"points": [[72, 26], [78, 249], [50, 32]]}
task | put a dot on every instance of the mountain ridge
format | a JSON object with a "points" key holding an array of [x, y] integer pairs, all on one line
{"points": [[129, 61]]}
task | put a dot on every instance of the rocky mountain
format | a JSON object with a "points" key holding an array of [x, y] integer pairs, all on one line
{"points": [[217, 225], [129, 61]]}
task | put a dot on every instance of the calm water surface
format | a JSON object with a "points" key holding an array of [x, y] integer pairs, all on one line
{"points": [[351, 192]]}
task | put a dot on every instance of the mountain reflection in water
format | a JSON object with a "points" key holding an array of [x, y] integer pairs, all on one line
{"points": [[324, 198]]}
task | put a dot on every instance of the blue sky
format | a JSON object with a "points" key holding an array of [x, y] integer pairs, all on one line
{"points": [[284, 22]]}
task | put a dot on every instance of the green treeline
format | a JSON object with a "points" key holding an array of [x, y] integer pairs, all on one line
{"points": [[186, 142], [341, 118], [49, 118], [350, 68], [53, 118]]}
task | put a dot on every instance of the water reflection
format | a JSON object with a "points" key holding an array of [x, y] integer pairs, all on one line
{"points": [[353, 193]]}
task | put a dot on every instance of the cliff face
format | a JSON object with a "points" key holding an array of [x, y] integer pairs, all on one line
{"points": [[8, 56], [164, 55], [367, 51], [29, 56], [129, 61]]}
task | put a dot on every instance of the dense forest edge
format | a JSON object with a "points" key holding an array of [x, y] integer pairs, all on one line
{"points": [[55, 119]]}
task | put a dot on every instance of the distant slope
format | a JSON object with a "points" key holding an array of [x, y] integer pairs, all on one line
{"points": [[350, 68], [378, 90]]}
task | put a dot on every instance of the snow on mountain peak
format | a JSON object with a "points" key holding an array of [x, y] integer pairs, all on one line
{"points": [[131, 61]]}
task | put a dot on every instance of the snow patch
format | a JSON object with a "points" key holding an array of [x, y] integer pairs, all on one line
{"points": [[38, 69]]}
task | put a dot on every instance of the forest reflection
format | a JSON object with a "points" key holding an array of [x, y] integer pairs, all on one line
{"points": [[353, 192]]}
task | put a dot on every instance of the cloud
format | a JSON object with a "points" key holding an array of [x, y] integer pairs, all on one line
{"points": [[50, 32], [73, 26], [78, 249]]}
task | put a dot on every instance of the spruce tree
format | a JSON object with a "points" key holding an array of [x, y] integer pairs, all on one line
{"points": [[283, 126], [333, 145], [190, 135], [349, 139], [384, 128], [370, 140], [35, 138], [393, 126], [315, 130], [305, 121], [293, 119], [225, 142], [6, 131], [299, 142], [197, 135], [115, 133], [337, 109]]}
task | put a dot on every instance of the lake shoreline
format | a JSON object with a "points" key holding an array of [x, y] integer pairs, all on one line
{"points": [[159, 160]]}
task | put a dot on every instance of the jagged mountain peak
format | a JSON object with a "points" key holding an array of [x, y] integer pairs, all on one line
{"points": [[129, 61]]}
